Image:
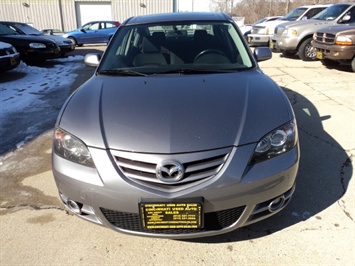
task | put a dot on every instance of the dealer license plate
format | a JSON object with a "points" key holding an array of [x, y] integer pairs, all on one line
{"points": [[271, 45], [319, 55], [13, 61], [171, 215]]}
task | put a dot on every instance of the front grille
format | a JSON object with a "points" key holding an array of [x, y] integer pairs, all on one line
{"points": [[326, 38], [200, 166], [257, 29], [212, 221]]}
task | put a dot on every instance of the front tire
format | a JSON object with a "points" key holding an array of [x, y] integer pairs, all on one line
{"points": [[353, 64], [306, 51], [73, 40]]}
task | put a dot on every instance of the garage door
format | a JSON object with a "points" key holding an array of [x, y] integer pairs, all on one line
{"points": [[93, 11]]}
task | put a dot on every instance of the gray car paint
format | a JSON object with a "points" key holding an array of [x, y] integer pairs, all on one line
{"points": [[172, 114]]}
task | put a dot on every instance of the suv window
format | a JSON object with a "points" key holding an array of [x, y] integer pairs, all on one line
{"points": [[295, 14], [312, 12], [332, 12], [351, 13]]}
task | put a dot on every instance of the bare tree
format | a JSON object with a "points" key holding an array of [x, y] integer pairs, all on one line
{"points": [[253, 10]]}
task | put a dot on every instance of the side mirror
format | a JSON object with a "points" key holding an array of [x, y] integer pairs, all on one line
{"points": [[262, 53], [92, 60], [346, 18], [83, 30]]}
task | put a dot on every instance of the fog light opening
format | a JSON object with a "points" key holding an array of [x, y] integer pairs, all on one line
{"points": [[277, 204], [74, 206]]}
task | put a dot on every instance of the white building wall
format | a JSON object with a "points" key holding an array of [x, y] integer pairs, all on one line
{"points": [[63, 15]]}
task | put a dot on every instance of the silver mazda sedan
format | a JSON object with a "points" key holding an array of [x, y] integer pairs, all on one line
{"points": [[178, 134]]}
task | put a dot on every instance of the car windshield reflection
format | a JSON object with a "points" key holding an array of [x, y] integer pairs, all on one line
{"points": [[177, 48]]}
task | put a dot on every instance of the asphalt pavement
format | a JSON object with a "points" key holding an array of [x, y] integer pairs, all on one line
{"points": [[316, 228]]}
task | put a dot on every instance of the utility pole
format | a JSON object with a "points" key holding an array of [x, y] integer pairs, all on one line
{"points": [[175, 5], [287, 6]]}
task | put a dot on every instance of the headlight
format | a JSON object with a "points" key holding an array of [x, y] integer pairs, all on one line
{"points": [[290, 32], [71, 148], [37, 45], [276, 142], [343, 40]]}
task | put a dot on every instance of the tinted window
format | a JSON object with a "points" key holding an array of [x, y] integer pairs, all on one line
{"points": [[295, 14], [332, 12]]}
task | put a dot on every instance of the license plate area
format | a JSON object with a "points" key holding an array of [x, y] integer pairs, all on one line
{"points": [[319, 55], [176, 214]]}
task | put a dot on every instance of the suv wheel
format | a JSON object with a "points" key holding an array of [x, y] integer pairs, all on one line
{"points": [[306, 51]]}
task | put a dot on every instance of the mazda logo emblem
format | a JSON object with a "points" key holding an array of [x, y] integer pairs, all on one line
{"points": [[170, 171]]}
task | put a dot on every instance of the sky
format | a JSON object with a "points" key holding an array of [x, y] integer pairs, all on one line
{"points": [[193, 5], [31, 97]]}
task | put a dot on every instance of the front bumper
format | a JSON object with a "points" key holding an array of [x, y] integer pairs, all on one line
{"points": [[334, 52], [233, 198], [283, 43], [259, 39], [42, 54], [9, 62], [67, 48]]}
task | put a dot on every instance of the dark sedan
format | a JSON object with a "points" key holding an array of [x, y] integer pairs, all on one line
{"points": [[9, 57], [32, 49], [66, 45]]}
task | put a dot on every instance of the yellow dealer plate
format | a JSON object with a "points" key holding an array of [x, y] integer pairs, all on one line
{"points": [[171, 215], [319, 55]]}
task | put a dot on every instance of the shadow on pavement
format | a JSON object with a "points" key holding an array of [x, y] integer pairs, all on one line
{"points": [[341, 67], [324, 174]]}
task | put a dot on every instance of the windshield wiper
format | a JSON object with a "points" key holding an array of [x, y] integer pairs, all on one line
{"points": [[121, 72], [196, 71]]}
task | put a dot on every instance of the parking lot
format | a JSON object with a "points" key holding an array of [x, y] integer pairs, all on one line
{"points": [[317, 227]]}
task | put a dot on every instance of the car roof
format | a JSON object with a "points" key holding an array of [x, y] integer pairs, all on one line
{"points": [[318, 5], [11, 22], [94, 21], [184, 16]]}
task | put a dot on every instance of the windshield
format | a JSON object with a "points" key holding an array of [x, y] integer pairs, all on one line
{"points": [[176, 48], [7, 31], [331, 13], [27, 29], [294, 14]]}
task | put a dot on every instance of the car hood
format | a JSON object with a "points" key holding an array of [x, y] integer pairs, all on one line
{"points": [[173, 114], [25, 38], [58, 39], [344, 29], [309, 23]]}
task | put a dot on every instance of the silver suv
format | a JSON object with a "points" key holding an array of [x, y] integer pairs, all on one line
{"points": [[261, 33], [295, 37]]}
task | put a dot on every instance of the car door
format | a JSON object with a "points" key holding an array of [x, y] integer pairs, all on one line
{"points": [[92, 33], [106, 31]]}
